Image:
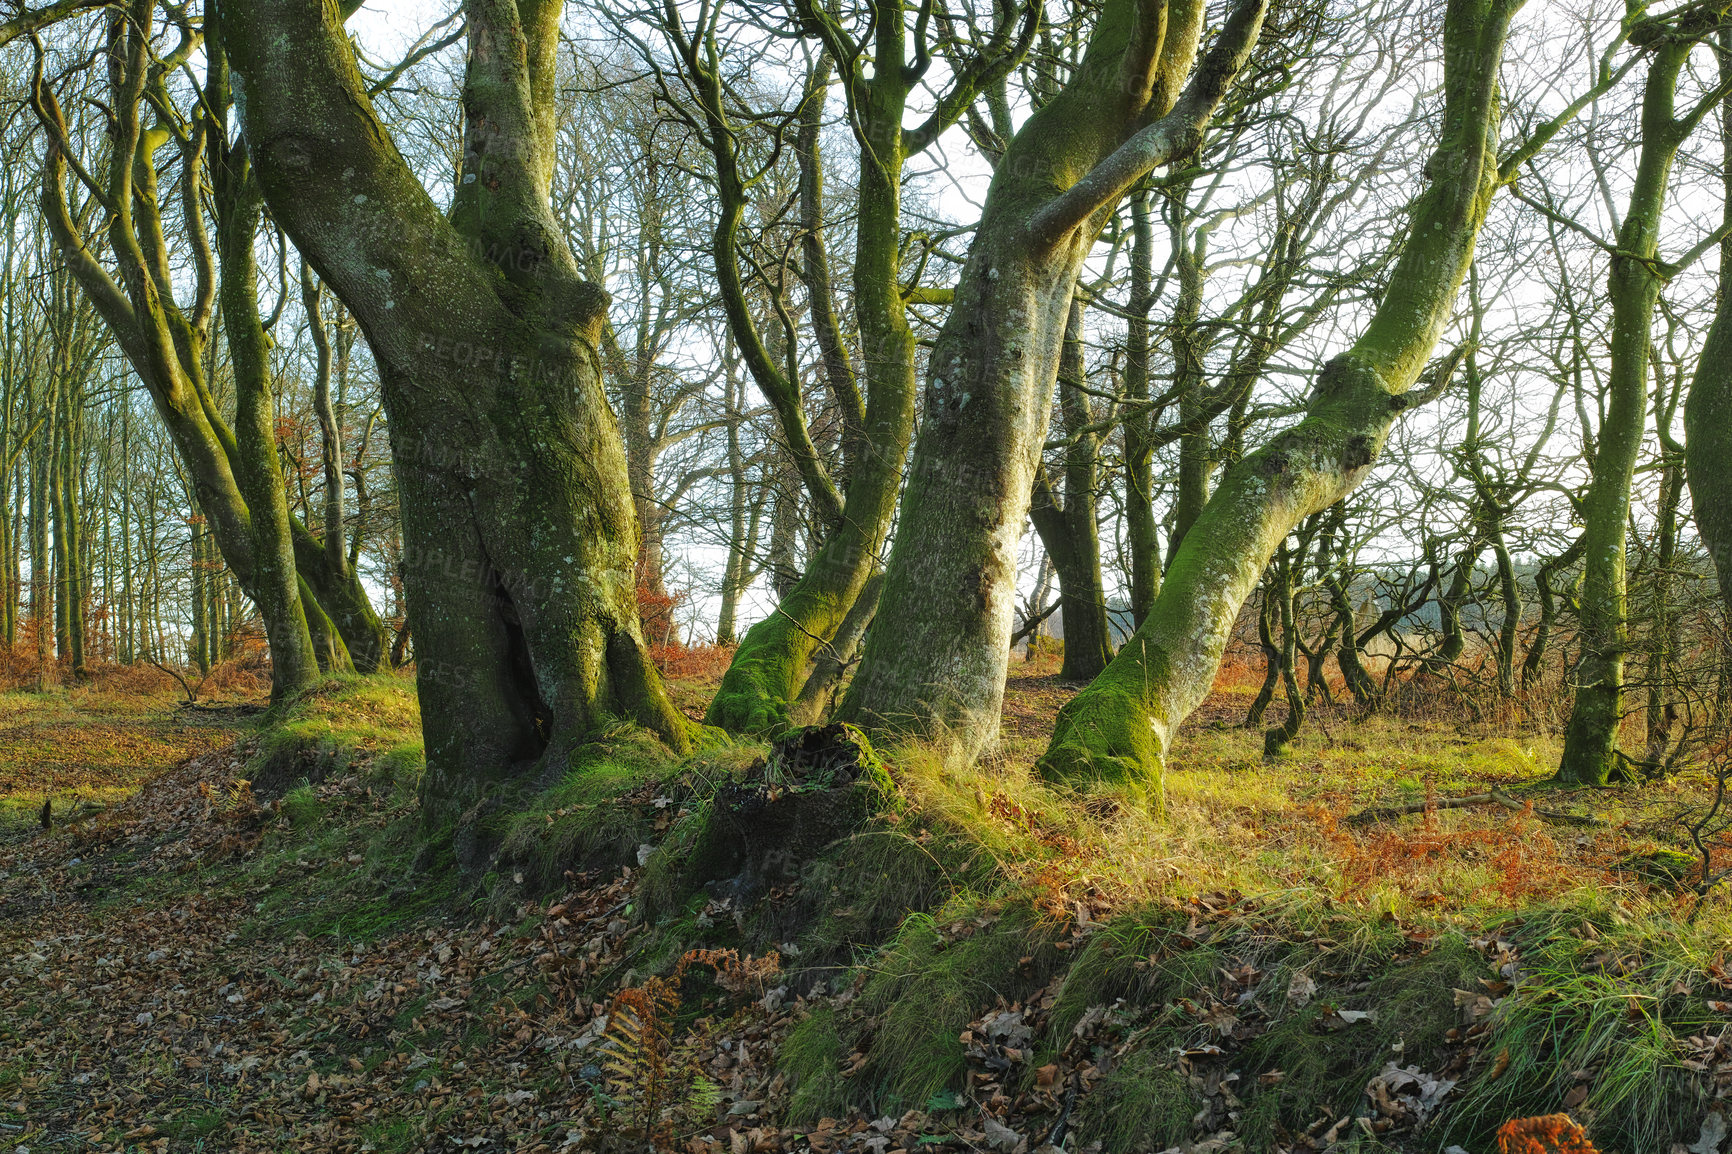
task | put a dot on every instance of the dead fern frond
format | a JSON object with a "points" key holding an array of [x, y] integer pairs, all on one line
{"points": [[636, 1052], [1548, 1134], [738, 976]]}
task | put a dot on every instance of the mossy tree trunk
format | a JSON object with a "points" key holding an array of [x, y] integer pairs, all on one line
{"points": [[878, 75], [1637, 277], [520, 541], [295, 624], [934, 663], [1121, 727]]}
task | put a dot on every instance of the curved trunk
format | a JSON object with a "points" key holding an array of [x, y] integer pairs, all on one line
{"points": [[1122, 726], [1276, 739], [1271, 655], [1534, 662], [343, 599], [330, 432], [934, 664], [273, 582], [1591, 738]]}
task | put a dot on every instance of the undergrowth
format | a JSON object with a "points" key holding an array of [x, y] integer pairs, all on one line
{"points": [[1245, 961]]}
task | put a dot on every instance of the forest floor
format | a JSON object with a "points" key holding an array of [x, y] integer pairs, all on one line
{"points": [[231, 940]]}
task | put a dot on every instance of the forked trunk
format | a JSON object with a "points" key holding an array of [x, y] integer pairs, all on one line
{"points": [[520, 542]]}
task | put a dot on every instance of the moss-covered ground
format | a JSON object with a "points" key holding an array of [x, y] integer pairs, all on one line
{"points": [[254, 949]]}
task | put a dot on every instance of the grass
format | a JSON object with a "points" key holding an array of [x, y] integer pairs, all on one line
{"points": [[83, 749], [1129, 937]]}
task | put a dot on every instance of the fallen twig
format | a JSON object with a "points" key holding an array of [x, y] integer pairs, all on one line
{"points": [[1493, 797]]}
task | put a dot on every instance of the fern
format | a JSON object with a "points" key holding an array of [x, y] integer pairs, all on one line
{"points": [[1551, 1134], [637, 1046]]}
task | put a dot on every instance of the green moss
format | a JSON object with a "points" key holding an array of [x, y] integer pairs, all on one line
{"points": [[1104, 735], [1665, 867], [341, 725], [764, 677]]}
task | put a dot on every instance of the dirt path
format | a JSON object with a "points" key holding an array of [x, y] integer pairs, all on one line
{"points": [[88, 748]]}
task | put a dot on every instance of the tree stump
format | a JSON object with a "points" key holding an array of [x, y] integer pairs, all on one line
{"points": [[816, 787]]}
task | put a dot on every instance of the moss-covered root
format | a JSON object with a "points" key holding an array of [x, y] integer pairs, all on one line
{"points": [[1105, 735], [753, 696]]}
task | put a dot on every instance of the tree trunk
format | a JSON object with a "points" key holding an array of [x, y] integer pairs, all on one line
{"points": [[1534, 662], [330, 432], [1708, 409], [1591, 738], [1122, 726], [1189, 346], [273, 582], [1139, 481], [520, 540], [934, 664], [1277, 738], [1266, 614], [1069, 529], [41, 566], [1661, 712]]}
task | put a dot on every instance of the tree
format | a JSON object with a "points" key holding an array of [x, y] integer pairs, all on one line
{"points": [[934, 662], [1637, 276], [1121, 727], [520, 539]]}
